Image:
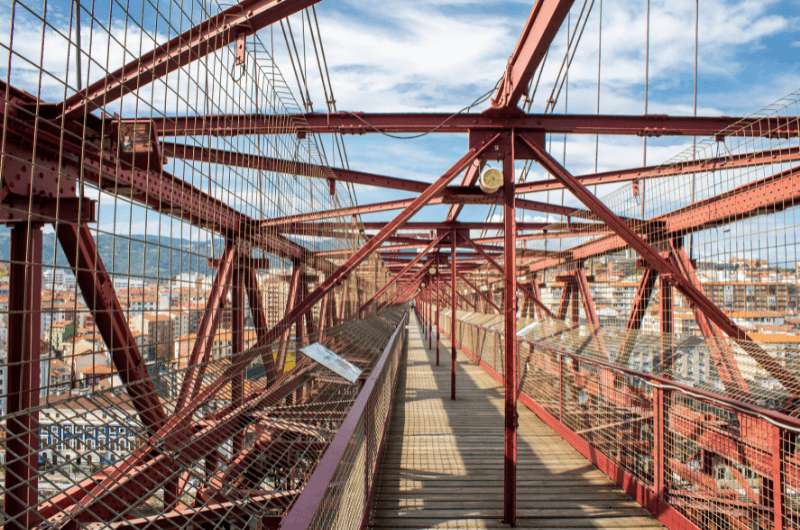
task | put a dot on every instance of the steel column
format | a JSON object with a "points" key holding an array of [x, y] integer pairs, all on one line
{"points": [[101, 299], [510, 334], [24, 385], [237, 346], [201, 351], [453, 311], [256, 304], [437, 297], [666, 317]]}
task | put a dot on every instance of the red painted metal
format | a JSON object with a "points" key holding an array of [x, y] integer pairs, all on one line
{"points": [[311, 499], [721, 355], [201, 351], [666, 317], [772, 193], [734, 161], [291, 302], [256, 304], [510, 337], [453, 314], [638, 309], [24, 360], [237, 347], [291, 167], [371, 123], [438, 301], [98, 292], [655, 260], [242, 19], [402, 271], [473, 196], [481, 293], [540, 29]]}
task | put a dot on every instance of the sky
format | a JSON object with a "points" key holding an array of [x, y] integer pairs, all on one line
{"points": [[439, 56]]}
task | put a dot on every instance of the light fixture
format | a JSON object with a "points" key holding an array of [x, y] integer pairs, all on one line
{"points": [[491, 180]]}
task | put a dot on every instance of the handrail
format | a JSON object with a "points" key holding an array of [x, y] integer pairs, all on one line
{"points": [[771, 415], [307, 505]]}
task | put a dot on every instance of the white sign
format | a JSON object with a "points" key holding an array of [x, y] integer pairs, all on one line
{"points": [[331, 361], [526, 329]]}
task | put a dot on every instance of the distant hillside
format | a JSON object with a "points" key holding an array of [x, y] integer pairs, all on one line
{"points": [[151, 256]]}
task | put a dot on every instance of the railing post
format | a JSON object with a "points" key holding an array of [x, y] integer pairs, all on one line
{"points": [[561, 387], [438, 306], [776, 442], [367, 452], [453, 308], [659, 485], [24, 358]]}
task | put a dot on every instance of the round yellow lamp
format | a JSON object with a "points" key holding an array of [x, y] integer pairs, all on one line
{"points": [[491, 180]]}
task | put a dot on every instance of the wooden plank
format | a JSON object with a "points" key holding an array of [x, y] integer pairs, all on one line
{"points": [[443, 466]]}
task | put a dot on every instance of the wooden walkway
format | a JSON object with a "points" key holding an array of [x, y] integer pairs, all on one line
{"points": [[443, 466]]}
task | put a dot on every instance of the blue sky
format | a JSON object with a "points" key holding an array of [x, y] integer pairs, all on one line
{"points": [[431, 55], [439, 55]]}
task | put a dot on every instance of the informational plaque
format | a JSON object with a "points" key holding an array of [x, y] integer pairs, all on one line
{"points": [[332, 361], [526, 329]]}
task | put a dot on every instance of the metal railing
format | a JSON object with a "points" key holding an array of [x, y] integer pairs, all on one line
{"points": [[693, 458], [338, 493]]}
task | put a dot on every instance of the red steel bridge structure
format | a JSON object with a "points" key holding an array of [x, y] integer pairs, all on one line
{"points": [[150, 380]]}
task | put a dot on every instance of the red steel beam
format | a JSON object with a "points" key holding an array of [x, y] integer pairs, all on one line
{"points": [[256, 304], [663, 266], [201, 350], [265, 163], [510, 338], [638, 309], [470, 178], [291, 300], [24, 359], [176, 424], [98, 292], [242, 19], [721, 355], [159, 190], [237, 346], [453, 315], [365, 123], [760, 158], [291, 167], [473, 197], [543, 23], [405, 269], [436, 225]]}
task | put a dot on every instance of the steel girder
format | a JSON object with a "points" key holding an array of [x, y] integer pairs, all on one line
{"points": [[773, 193], [98, 292], [265, 163], [665, 267], [466, 196], [366, 123], [201, 350], [24, 364], [540, 29]]}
